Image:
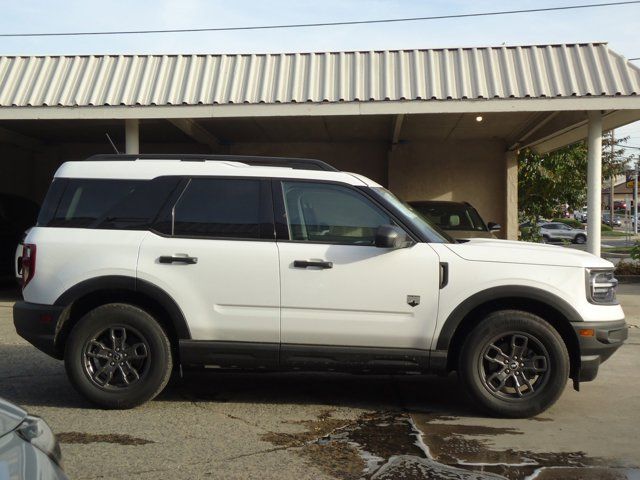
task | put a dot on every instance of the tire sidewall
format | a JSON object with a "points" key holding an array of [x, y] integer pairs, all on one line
{"points": [[514, 321], [98, 320]]}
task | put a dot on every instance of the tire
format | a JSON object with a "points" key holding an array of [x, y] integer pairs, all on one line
{"points": [[491, 383], [118, 356], [580, 239], [545, 239]]}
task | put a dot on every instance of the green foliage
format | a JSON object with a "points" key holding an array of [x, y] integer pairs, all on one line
{"points": [[635, 251], [548, 182], [627, 268], [605, 228]]}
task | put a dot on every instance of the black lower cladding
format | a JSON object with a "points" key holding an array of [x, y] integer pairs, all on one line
{"points": [[37, 325], [595, 348], [302, 357]]}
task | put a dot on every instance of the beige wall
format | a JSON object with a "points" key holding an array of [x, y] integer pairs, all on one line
{"points": [[460, 171], [471, 171]]}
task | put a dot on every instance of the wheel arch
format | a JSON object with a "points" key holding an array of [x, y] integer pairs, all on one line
{"points": [[551, 308], [89, 294]]}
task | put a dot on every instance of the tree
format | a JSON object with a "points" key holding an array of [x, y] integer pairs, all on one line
{"points": [[546, 183]]}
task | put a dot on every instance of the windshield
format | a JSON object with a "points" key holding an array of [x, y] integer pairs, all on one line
{"points": [[428, 230], [452, 216]]}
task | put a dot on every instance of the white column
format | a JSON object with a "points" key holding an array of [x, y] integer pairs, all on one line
{"points": [[132, 136], [510, 225], [594, 182]]}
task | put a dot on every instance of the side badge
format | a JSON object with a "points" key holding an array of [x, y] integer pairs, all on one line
{"points": [[413, 300]]}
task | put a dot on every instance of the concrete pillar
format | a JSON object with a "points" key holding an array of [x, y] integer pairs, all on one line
{"points": [[510, 225], [594, 182], [132, 136]]}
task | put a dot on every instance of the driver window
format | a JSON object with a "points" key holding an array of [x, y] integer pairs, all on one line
{"points": [[326, 213]]}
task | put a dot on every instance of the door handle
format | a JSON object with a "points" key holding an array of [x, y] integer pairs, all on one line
{"points": [[312, 263], [178, 259]]}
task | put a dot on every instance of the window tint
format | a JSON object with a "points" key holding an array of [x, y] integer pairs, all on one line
{"points": [[331, 213], [114, 204], [451, 216], [212, 207]]}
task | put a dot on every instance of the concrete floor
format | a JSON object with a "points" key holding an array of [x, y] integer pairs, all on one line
{"points": [[316, 426]]}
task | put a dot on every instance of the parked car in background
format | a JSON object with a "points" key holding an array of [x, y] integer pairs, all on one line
{"points": [[458, 219], [619, 205], [581, 215], [558, 232], [28, 447], [17, 214], [617, 219]]}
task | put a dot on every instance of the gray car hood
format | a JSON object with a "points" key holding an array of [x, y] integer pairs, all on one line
{"points": [[10, 417]]}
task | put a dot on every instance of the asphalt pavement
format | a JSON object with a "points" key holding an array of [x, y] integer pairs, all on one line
{"points": [[321, 426]]}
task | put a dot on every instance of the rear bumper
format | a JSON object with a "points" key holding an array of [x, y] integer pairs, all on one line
{"points": [[598, 341], [37, 325]]}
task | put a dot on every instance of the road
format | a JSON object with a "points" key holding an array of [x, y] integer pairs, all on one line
{"points": [[323, 426]]}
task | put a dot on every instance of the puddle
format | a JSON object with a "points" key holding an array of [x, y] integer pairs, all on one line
{"points": [[84, 438], [388, 445]]}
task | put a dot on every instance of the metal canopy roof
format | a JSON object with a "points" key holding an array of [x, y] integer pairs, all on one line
{"points": [[514, 72]]}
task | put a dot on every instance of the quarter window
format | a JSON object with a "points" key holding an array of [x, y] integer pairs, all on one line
{"points": [[327, 213]]}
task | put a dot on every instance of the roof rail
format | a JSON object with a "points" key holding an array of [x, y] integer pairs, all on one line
{"points": [[295, 163]]}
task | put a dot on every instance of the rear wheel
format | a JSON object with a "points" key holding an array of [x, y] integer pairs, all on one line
{"points": [[545, 239], [580, 239], [118, 356], [514, 364]]}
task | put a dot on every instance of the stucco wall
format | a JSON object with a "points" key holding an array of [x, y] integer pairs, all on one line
{"points": [[471, 171], [460, 171]]}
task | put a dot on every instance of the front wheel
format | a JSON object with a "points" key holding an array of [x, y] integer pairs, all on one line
{"points": [[118, 356], [514, 364], [580, 239]]}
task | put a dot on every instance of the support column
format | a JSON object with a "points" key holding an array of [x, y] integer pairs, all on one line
{"points": [[594, 182], [510, 225], [132, 135]]}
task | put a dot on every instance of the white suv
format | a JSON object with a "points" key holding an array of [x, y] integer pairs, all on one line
{"points": [[139, 264]]}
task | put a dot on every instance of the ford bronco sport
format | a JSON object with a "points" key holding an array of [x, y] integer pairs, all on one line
{"points": [[142, 263]]}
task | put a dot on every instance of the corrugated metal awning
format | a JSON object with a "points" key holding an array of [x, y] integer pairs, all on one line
{"points": [[515, 72]]}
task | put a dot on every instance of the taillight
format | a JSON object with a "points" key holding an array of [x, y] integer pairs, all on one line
{"points": [[28, 263]]}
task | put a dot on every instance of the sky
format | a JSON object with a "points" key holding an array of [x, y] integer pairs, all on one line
{"points": [[617, 25]]}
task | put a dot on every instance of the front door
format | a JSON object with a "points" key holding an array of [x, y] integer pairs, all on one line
{"points": [[338, 289]]}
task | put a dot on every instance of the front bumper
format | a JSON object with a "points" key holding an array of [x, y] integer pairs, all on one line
{"points": [[37, 325], [598, 341]]}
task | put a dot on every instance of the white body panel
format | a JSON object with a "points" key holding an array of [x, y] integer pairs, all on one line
{"points": [[232, 293], [362, 300], [68, 256]]}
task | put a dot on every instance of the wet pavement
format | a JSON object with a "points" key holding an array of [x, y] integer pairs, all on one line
{"points": [[323, 426]]}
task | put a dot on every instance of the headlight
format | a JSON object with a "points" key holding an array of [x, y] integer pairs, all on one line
{"points": [[36, 431], [601, 286]]}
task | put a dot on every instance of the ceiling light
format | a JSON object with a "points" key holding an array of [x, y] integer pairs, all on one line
{"points": [[479, 118]]}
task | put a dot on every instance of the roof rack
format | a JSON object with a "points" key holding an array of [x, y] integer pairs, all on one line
{"points": [[295, 163]]}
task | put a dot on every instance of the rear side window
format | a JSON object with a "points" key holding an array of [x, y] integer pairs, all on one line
{"points": [[110, 204], [217, 208]]}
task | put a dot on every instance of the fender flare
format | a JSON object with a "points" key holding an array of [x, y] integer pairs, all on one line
{"points": [[499, 293], [131, 284]]}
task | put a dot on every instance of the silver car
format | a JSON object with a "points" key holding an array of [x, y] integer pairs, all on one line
{"points": [[559, 232], [28, 448]]}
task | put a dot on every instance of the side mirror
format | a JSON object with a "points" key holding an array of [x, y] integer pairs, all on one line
{"points": [[493, 227], [390, 236]]}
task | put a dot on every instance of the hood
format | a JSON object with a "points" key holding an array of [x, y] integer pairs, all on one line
{"points": [[509, 251], [10, 416], [463, 234]]}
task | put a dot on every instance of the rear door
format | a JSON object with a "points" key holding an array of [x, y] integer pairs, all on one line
{"points": [[214, 252]]}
